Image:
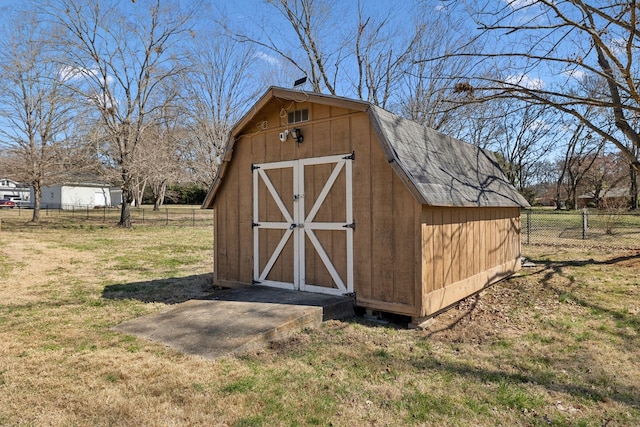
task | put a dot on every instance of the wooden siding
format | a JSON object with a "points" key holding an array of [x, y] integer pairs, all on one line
{"points": [[386, 257], [464, 250], [408, 258], [386, 247]]}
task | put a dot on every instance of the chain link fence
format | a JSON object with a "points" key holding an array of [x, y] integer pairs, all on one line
{"points": [[604, 228], [174, 215]]}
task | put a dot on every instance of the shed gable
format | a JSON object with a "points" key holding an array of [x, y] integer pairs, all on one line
{"points": [[437, 169]]}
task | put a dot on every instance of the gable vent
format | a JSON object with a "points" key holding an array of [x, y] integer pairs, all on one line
{"points": [[298, 116]]}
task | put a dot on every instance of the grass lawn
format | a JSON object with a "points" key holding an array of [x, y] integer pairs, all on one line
{"points": [[558, 345]]}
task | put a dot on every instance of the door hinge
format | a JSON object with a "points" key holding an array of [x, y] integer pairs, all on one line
{"points": [[255, 282], [351, 156], [254, 167], [255, 224], [351, 226]]}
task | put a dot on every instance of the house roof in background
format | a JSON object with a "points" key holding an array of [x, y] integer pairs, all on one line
{"points": [[613, 193]]}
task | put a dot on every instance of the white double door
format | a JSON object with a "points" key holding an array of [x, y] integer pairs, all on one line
{"points": [[287, 238]]}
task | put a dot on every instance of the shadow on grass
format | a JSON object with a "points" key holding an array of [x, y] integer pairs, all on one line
{"points": [[622, 318], [167, 291], [551, 269], [589, 388]]}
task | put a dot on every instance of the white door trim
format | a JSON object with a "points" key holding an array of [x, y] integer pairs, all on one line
{"points": [[301, 225]]}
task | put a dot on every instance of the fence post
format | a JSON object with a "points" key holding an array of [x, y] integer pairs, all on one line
{"points": [[585, 223], [193, 217], [167, 210], [528, 227]]}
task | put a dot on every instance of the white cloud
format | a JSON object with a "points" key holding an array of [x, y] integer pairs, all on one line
{"points": [[270, 59], [538, 124], [618, 45], [575, 74], [68, 73], [526, 81], [517, 4]]}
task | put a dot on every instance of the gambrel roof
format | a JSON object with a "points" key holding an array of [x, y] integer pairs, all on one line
{"points": [[437, 169], [444, 171]]}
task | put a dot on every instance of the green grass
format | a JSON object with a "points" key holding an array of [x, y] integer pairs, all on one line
{"points": [[557, 346]]}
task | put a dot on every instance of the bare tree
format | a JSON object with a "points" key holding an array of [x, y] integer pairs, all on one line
{"points": [[580, 153], [544, 49], [35, 109], [608, 170], [307, 18], [370, 59], [118, 57], [529, 133], [428, 90], [384, 53], [159, 161], [216, 93], [317, 50], [478, 124]]}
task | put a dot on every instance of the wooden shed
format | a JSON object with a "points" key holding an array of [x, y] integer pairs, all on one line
{"points": [[327, 194]]}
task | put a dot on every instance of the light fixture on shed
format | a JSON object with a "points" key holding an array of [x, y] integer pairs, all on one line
{"points": [[296, 135]]}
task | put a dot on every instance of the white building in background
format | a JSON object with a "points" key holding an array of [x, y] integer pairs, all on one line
{"points": [[20, 193], [78, 195]]}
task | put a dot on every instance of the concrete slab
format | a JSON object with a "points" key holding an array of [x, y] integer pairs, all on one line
{"points": [[237, 320]]}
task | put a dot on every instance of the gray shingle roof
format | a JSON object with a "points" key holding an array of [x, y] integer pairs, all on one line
{"points": [[444, 171]]}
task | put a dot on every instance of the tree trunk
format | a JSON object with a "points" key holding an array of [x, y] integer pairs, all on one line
{"points": [[37, 200], [558, 201], [141, 195], [157, 202], [127, 198], [572, 196], [633, 189], [158, 196]]}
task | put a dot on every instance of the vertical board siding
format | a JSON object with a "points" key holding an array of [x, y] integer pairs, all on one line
{"points": [[392, 251], [220, 238], [245, 214], [405, 260], [438, 249], [362, 237], [447, 246], [232, 226], [456, 238], [475, 239], [383, 223]]}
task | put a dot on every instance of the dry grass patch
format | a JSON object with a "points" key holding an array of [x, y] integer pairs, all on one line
{"points": [[556, 346]]}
